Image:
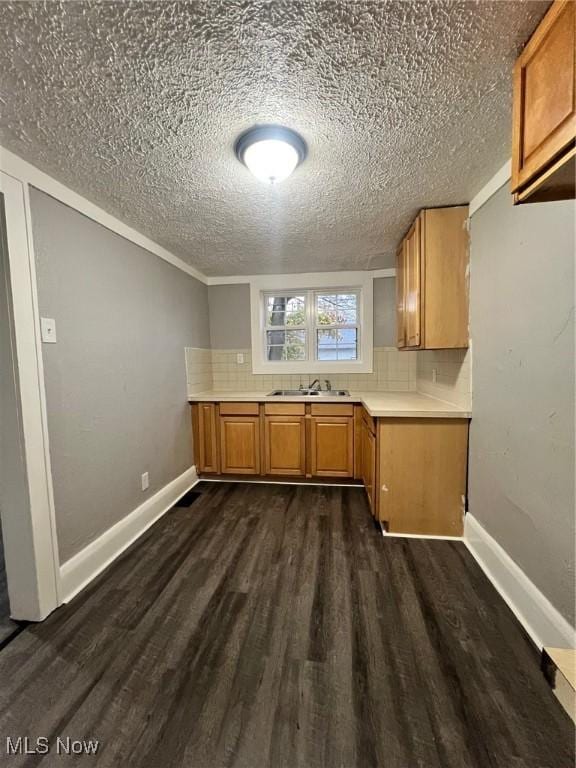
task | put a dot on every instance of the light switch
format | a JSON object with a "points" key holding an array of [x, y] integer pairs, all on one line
{"points": [[240, 358], [48, 330]]}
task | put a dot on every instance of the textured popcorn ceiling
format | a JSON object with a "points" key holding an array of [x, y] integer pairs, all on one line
{"points": [[137, 105]]}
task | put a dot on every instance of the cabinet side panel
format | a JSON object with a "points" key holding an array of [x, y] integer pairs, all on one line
{"points": [[422, 479], [446, 288]]}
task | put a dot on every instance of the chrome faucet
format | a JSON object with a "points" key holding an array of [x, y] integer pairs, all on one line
{"points": [[315, 385]]}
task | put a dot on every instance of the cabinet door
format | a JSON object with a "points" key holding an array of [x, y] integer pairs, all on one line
{"points": [[240, 445], [400, 296], [412, 285], [545, 95], [285, 445], [332, 446], [369, 464], [205, 434], [422, 475]]}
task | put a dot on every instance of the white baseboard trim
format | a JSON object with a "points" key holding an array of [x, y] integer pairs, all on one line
{"points": [[541, 620], [79, 571], [431, 536]]}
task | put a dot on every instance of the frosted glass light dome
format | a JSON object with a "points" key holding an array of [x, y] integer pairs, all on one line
{"points": [[270, 152]]}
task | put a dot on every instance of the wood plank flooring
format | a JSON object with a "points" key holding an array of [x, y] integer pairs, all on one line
{"points": [[272, 626]]}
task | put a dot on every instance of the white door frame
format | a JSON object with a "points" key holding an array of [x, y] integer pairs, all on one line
{"points": [[29, 527]]}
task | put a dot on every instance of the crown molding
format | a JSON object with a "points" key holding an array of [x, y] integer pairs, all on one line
{"points": [[497, 181], [25, 172]]}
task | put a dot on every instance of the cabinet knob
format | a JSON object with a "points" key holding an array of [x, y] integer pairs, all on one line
{"points": [[385, 488]]}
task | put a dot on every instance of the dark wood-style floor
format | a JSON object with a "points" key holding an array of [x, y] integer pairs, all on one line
{"points": [[271, 625]]}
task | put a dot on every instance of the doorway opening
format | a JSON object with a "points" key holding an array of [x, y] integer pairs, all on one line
{"points": [[29, 565]]}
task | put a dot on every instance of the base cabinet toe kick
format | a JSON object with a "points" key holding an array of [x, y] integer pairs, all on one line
{"points": [[413, 469]]}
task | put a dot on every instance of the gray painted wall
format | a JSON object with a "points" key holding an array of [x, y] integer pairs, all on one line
{"points": [[385, 312], [233, 301], [116, 379], [230, 316], [522, 431]]}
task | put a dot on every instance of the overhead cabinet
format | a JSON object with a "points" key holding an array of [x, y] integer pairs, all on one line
{"points": [[544, 115], [432, 281]]}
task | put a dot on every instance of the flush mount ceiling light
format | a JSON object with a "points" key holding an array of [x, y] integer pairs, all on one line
{"points": [[270, 152]]}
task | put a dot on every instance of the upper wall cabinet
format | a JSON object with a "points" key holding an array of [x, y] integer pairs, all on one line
{"points": [[432, 281], [544, 127]]}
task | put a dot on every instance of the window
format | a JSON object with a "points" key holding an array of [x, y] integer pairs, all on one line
{"points": [[307, 329], [333, 333], [286, 331], [336, 325]]}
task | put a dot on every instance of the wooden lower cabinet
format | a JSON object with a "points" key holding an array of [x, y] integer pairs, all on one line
{"points": [[413, 469], [332, 446], [240, 445], [285, 445], [369, 466], [422, 475], [205, 437]]}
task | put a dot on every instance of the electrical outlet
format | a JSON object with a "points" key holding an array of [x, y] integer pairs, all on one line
{"points": [[240, 358], [434, 374], [145, 481]]}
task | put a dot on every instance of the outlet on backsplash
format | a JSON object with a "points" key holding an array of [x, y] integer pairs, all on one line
{"points": [[446, 374]]}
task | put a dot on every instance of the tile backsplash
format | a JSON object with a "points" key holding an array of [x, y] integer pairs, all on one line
{"points": [[393, 371], [446, 374], [198, 369]]}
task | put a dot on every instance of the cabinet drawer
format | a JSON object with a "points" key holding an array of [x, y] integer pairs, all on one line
{"points": [[239, 409], [332, 409], [284, 409]]}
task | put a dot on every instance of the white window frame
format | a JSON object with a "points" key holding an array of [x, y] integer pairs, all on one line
{"points": [[339, 282]]}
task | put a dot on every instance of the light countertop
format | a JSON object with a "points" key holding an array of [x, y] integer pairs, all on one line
{"points": [[378, 404]]}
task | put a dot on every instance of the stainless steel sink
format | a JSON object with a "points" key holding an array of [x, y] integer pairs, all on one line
{"points": [[309, 393]]}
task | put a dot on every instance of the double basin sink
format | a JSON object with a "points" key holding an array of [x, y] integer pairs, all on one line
{"points": [[309, 393]]}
